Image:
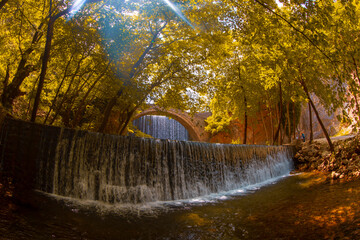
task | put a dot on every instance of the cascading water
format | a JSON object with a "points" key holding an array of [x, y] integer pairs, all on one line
{"points": [[118, 169], [161, 127]]}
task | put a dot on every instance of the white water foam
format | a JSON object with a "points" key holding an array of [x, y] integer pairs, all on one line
{"points": [[158, 207]]}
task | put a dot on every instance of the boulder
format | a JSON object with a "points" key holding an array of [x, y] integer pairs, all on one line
{"points": [[334, 175], [344, 163], [325, 154]]}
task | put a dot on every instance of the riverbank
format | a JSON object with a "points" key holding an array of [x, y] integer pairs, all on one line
{"points": [[343, 164]]}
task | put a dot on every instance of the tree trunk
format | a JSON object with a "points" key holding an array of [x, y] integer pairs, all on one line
{"points": [[311, 125], [136, 66], [66, 94], [294, 121], [331, 146], [12, 90], [356, 103], [263, 122], [288, 120], [31, 94], [245, 121], [82, 105], [45, 60], [46, 57], [107, 112], [134, 70], [253, 132], [272, 126], [245, 127], [121, 121], [356, 69], [2, 3], [7, 77], [281, 114], [128, 118], [58, 90]]}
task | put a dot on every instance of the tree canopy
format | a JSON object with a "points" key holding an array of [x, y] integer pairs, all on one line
{"points": [[95, 67]]}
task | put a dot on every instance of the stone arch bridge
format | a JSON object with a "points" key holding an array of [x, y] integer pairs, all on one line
{"points": [[195, 125]]}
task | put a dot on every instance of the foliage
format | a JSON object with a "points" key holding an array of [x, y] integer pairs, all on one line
{"points": [[234, 58], [295, 45]]}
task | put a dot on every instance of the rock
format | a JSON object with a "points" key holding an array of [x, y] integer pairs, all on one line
{"points": [[334, 175], [313, 166], [311, 153], [343, 164], [325, 154]]}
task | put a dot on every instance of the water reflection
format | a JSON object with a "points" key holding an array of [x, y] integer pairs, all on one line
{"points": [[298, 207]]}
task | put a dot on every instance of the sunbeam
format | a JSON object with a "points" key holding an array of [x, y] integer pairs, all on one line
{"points": [[77, 4], [178, 12]]}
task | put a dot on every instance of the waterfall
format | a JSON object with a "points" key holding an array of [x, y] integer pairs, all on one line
{"points": [[161, 127], [120, 169]]}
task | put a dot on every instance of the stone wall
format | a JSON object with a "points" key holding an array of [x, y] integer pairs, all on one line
{"points": [[259, 130], [21, 146], [110, 168]]}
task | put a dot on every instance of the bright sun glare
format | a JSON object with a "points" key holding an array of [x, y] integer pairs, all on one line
{"points": [[178, 12], [77, 4]]}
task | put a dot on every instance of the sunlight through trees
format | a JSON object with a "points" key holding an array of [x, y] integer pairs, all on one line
{"points": [[96, 66]]}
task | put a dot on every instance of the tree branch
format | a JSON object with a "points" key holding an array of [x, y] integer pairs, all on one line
{"points": [[296, 29]]}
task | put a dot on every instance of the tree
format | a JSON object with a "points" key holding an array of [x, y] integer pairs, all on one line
{"points": [[159, 61], [113, 58], [286, 47], [27, 36], [2, 3], [53, 15]]}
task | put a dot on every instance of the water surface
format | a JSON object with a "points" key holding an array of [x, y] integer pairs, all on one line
{"points": [[297, 207]]}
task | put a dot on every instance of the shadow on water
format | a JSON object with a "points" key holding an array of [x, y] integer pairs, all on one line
{"points": [[301, 206]]}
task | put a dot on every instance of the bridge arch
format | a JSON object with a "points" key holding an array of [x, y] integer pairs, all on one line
{"points": [[190, 124]]}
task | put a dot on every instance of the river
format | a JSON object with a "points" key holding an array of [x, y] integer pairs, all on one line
{"points": [[300, 206]]}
